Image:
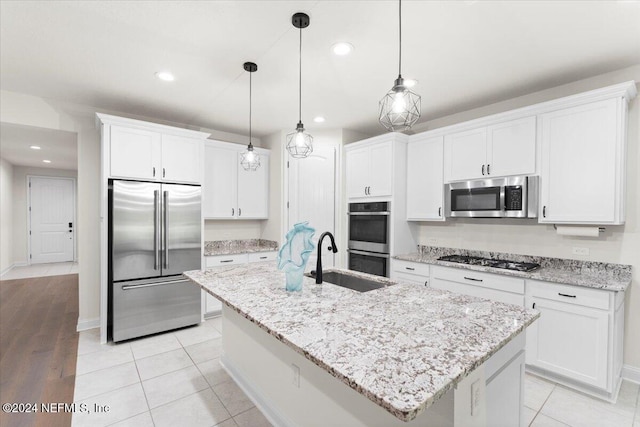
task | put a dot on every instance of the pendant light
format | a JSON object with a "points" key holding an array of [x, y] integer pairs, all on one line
{"points": [[300, 143], [250, 160], [400, 107]]}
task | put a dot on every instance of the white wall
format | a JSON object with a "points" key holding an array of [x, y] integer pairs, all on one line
{"points": [[232, 230], [20, 204], [6, 215], [272, 228], [619, 244]]}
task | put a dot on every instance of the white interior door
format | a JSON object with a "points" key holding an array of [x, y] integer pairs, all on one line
{"points": [[312, 197], [51, 219]]}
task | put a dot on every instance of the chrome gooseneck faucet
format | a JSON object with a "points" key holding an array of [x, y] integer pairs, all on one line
{"points": [[319, 261]]}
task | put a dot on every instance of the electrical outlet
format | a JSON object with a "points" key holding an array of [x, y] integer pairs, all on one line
{"points": [[476, 397], [296, 375], [580, 251]]}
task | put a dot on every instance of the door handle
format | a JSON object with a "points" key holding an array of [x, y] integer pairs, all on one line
{"points": [[156, 230], [482, 170], [488, 169], [233, 212], [471, 278], [440, 211], [544, 211], [163, 172], [154, 171], [410, 268], [166, 229], [239, 212], [566, 295]]}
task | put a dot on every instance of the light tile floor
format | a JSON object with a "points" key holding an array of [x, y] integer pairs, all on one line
{"points": [[41, 270], [175, 379]]}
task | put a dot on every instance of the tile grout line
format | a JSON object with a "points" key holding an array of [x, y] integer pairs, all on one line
{"points": [[146, 399]]}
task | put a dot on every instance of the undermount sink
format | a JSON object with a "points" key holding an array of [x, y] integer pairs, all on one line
{"points": [[350, 281]]}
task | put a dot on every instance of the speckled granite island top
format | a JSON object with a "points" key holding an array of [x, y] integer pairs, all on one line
{"points": [[597, 275], [402, 346], [230, 247]]}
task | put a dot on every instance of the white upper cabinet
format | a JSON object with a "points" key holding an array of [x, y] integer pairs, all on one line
{"points": [[181, 158], [253, 190], [583, 163], [229, 191], [424, 179], [502, 149], [148, 151], [135, 153], [369, 169]]}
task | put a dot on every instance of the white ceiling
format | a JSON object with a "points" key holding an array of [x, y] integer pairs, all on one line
{"points": [[60, 147], [464, 53]]}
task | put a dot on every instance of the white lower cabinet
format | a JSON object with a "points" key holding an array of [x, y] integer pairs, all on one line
{"points": [[577, 339], [213, 306], [482, 285], [411, 272]]}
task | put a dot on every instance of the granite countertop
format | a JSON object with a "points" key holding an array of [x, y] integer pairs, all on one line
{"points": [[229, 247], [597, 275], [401, 346]]}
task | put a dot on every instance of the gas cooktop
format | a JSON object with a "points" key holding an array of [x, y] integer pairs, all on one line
{"points": [[488, 262]]}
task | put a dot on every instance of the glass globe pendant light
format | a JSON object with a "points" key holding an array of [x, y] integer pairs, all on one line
{"points": [[250, 160], [300, 143], [400, 107]]}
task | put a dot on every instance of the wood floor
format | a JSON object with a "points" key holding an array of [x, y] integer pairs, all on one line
{"points": [[38, 346]]}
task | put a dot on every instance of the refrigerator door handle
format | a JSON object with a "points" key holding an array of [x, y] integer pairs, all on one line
{"points": [[156, 230], [150, 285], [166, 229]]}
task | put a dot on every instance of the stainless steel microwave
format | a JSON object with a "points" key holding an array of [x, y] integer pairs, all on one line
{"points": [[509, 197]]}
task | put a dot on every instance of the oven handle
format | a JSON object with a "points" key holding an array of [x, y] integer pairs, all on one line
{"points": [[373, 254], [368, 213]]}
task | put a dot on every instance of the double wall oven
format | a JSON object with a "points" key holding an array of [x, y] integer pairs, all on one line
{"points": [[368, 244]]}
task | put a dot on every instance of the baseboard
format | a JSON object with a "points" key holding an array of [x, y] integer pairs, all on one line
{"points": [[12, 266], [275, 417], [84, 325], [631, 373]]}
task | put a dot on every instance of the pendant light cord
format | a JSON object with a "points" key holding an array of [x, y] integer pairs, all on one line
{"points": [[300, 80], [400, 37], [250, 145]]}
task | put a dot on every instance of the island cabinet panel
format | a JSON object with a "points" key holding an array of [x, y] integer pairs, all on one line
{"points": [[590, 139], [145, 154], [502, 149], [229, 191], [577, 336], [293, 391], [370, 169], [424, 179]]}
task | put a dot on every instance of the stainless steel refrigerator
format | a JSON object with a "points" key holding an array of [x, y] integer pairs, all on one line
{"points": [[154, 236]]}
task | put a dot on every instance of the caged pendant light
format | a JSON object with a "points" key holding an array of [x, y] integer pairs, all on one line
{"points": [[299, 142], [250, 160], [400, 107]]}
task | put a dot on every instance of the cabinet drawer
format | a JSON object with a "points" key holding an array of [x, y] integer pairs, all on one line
{"points": [[410, 278], [569, 294], [478, 291], [485, 280], [409, 267], [218, 260], [262, 256]]}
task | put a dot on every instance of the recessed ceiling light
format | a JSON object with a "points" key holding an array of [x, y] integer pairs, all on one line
{"points": [[319, 119], [34, 147], [410, 82], [46, 161], [165, 76], [342, 48]]}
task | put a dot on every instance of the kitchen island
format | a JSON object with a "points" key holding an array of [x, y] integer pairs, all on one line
{"points": [[399, 355]]}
